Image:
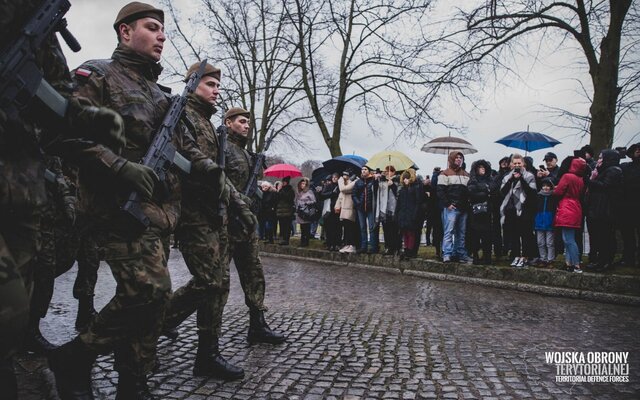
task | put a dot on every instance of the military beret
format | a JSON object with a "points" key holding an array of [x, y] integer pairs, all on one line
{"points": [[208, 70], [235, 111], [136, 10]]}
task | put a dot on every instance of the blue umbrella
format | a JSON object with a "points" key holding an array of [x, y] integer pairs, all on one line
{"points": [[528, 141], [345, 163], [318, 175], [359, 159]]}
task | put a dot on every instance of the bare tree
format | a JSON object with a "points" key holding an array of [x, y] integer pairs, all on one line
{"points": [[309, 166], [247, 38], [379, 70], [606, 32]]}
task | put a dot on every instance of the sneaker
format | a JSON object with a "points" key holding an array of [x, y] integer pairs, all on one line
{"points": [[522, 263], [466, 260], [515, 262], [343, 249], [577, 269], [350, 249], [446, 259]]}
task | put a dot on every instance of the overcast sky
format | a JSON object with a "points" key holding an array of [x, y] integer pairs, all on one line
{"points": [[512, 107]]}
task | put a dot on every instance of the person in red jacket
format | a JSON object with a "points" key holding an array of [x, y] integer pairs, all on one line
{"points": [[570, 189]]}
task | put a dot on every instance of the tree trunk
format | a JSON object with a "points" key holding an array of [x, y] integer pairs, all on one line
{"points": [[605, 80]]}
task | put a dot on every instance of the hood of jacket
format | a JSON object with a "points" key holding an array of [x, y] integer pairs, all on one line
{"points": [[609, 158], [578, 166], [452, 158], [408, 173], [480, 163]]}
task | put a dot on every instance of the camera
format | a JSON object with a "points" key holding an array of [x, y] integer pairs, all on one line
{"points": [[517, 170], [543, 168]]}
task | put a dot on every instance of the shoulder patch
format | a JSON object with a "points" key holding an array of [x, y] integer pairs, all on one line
{"points": [[83, 72]]}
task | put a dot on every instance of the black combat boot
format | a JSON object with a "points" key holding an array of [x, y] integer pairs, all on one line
{"points": [[71, 365], [259, 331], [34, 341], [131, 387], [86, 312], [209, 361]]}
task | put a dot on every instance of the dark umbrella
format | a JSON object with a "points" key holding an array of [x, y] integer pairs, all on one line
{"points": [[344, 163], [318, 175], [528, 141]]}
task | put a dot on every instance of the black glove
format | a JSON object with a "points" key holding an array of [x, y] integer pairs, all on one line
{"points": [[139, 178], [248, 220], [100, 123], [215, 176]]}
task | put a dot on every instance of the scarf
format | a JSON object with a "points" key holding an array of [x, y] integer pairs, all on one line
{"points": [[385, 203], [517, 192]]}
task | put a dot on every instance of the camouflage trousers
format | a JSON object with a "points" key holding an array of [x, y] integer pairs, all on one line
{"points": [[130, 323], [203, 248], [245, 256], [61, 247], [77, 244], [19, 242]]}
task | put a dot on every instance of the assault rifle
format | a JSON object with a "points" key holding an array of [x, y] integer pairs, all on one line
{"points": [[162, 154], [222, 160], [251, 186], [20, 77]]}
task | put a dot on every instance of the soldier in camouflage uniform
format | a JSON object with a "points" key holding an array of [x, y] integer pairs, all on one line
{"points": [[130, 323], [59, 210], [201, 235], [243, 244], [22, 185]]}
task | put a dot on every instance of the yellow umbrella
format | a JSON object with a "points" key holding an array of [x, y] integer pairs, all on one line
{"points": [[400, 161]]}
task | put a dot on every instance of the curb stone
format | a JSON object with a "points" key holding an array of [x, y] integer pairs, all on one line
{"points": [[616, 289]]}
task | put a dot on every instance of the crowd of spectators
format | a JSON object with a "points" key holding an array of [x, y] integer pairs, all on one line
{"points": [[478, 215]]}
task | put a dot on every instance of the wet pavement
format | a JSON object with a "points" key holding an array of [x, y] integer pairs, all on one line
{"points": [[356, 333]]}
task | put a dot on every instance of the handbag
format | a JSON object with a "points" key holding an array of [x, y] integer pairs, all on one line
{"points": [[480, 208]]}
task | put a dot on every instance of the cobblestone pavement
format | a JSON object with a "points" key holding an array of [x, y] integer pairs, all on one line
{"points": [[357, 333]]}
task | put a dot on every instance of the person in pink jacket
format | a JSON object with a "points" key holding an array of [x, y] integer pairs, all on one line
{"points": [[570, 190]]}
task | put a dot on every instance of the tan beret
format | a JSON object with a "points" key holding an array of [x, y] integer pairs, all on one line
{"points": [[136, 10], [208, 70], [235, 111]]}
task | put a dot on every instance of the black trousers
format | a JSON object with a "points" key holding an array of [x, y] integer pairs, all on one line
{"points": [[631, 238], [392, 238], [519, 231], [305, 234], [602, 233], [285, 228], [332, 229]]}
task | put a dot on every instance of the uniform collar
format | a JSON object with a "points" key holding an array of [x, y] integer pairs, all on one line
{"points": [[202, 107], [237, 139], [144, 65]]}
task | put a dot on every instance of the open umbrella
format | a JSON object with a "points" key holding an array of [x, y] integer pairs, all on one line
{"points": [[358, 158], [528, 141], [399, 160], [318, 175], [344, 163], [282, 170], [447, 144]]}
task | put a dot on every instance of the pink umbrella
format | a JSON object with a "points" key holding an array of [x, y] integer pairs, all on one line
{"points": [[282, 170]]}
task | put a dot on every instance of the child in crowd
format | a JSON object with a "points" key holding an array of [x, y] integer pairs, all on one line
{"points": [[547, 206]]}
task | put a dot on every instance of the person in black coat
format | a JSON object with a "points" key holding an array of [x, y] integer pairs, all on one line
{"points": [[631, 223], [482, 191], [604, 208], [267, 215], [408, 209], [330, 192]]}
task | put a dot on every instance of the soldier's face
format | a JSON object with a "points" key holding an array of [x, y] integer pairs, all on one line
{"points": [[145, 37], [239, 125], [208, 89]]}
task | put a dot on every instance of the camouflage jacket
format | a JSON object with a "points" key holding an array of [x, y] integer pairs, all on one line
{"points": [[203, 145], [21, 165], [126, 83], [239, 164]]}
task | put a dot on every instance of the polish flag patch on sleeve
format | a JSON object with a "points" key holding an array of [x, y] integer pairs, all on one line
{"points": [[83, 72]]}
